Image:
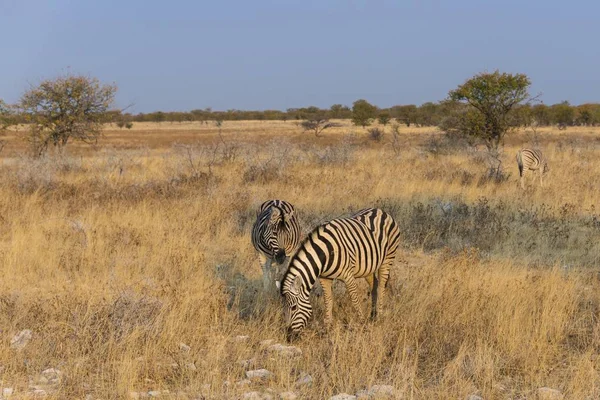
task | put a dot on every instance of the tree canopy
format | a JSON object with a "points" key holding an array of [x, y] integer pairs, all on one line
{"points": [[64, 108], [490, 98]]}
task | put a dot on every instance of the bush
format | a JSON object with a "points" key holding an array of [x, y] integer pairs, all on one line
{"points": [[375, 134]]}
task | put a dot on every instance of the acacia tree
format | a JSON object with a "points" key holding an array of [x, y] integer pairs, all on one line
{"points": [[317, 123], [384, 118], [363, 113], [65, 108], [5, 115], [491, 99], [6, 120]]}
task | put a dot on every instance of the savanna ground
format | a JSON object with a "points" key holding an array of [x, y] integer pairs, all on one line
{"points": [[116, 255]]}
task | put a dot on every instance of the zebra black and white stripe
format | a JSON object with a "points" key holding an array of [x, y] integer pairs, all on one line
{"points": [[275, 235], [361, 246], [531, 160]]}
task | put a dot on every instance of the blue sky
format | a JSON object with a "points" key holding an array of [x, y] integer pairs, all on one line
{"points": [[261, 54]]}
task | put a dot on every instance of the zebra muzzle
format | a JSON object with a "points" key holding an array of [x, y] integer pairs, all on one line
{"points": [[291, 335], [280, 256]]}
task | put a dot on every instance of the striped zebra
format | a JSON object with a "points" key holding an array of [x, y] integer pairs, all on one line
{"points": [[361, 246], [531, 160], [275, 235]]}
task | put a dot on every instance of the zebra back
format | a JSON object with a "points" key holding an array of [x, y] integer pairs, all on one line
{"points": [[531, 159], [357, 246]]}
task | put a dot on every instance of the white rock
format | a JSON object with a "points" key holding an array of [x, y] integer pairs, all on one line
{"points": [[382, 390], [7, 392], [256, 396], [20, 340], [266, 342], [154, 393], [304, 380], [343, 396], [377, 392], [242, 338], [184, 348], [288, 396], [258, 374], [51, 376], [474, 397], [545, 393], [190, 367], [284, 350]]}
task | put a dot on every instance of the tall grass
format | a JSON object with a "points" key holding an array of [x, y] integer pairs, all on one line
{"points": [[116, 258]]}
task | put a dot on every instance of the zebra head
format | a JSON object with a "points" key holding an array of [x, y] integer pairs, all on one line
{"points": [[275, 226], [296, 308]]}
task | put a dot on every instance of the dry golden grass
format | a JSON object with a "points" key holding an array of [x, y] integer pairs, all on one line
{"points": [[115, 256]]}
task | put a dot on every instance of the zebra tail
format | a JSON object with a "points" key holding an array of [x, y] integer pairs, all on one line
{"points": [[520, 162]]}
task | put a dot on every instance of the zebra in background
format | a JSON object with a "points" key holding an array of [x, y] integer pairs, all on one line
{"points": [[361, 246], [531, 160], [275, 235]]}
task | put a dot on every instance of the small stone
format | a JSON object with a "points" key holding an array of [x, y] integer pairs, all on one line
{"points": [[382, 391], [545, 393], [154, 393], [288, 396], [256, 396], [7, 392], [20, 340], [474, 397], [343, 396], [51, 376], [304, 380], [191, 367], [258, 374], [377, 392], [288, 351], [266, 342], [242, 338], [184, 348]]}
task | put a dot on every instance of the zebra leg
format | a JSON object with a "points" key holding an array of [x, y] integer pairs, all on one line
{"points": [[374, 294], [522, 181], [370, 281], [353, 290], [265, 264], [328, 299], [384, 275]]}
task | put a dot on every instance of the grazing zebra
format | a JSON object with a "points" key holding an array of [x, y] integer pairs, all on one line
{"points": [[531, 160], [361, 246], [275, 235]]}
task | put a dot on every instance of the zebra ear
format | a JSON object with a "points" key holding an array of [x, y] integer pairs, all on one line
{"points": [[291, 214], [275, 214]]}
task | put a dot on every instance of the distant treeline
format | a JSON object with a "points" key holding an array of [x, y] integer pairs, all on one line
{"points": [[428, 114]]}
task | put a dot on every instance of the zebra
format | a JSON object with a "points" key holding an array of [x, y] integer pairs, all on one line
{"points": [[361, 246], [531, 160], [275, 235]]}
